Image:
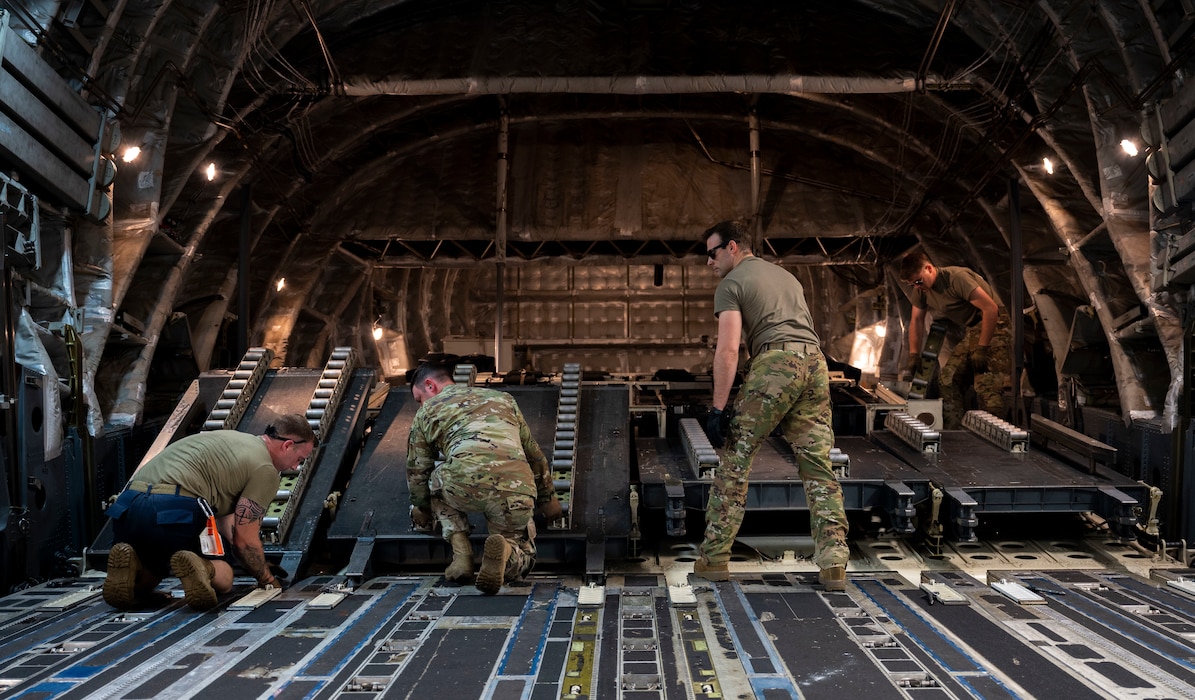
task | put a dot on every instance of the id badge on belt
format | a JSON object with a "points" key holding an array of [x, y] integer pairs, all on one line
{"points": [[210, 542]]}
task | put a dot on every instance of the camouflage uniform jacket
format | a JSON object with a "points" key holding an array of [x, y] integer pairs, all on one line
{"points": [[483, 439]]}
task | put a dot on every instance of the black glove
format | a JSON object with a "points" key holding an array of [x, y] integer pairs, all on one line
{"points": [[552, 510], [421, 517], [281, 579], [716, 426], [979, 359], [279, 582], [911, 365]]}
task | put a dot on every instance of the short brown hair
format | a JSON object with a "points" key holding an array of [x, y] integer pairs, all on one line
{"points": [[912, 263], [732, 230], [430, 370], [291, 426]]}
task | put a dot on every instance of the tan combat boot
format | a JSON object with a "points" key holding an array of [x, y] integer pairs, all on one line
{"points": [[711, 571], [196, 574], [833, 578], [461, 569], [493, 564], [120, 586]]}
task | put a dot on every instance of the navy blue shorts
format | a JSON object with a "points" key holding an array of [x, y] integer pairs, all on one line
{"points": [[157, 526]]}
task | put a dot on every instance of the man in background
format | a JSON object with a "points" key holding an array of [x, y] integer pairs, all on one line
{"points": [[965, 303]]}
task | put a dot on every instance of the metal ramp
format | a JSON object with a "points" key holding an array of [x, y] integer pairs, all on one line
{"points": [[978, 477], [373, 521], [248, 398], [890, 470]]}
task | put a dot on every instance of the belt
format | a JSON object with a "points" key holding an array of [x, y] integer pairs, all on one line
{"points": [[792, 346], [160, 489]]}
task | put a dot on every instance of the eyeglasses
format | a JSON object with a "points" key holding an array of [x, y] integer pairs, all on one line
{"points": [[915, 283], [713, 252]]}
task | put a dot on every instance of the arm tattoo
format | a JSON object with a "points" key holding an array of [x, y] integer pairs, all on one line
{"points": [[254, 560], [247, 511], [251, 554]]}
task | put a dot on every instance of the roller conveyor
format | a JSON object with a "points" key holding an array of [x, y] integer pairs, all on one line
{"points": [[703, 458], [227, 392], [913, 432], [242, 385], [563, 456], [996, 431], [330, 389]]}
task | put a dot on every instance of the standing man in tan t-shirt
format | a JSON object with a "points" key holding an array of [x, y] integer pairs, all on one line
{"points": [[787, 386], [159, 517]]}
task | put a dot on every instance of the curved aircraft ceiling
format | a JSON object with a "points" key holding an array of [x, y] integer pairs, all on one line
{"points": [[388, 159]]}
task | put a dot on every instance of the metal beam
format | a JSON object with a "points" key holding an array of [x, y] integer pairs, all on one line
{"points": [[785, 84], [407, 261], [500, 232]]}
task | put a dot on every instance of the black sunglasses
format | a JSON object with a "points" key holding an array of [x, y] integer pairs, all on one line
{"points": [[272, 432], [713, 252]]}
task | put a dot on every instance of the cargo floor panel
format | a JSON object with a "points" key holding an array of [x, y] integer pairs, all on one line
{"points": [[1098, 634]]}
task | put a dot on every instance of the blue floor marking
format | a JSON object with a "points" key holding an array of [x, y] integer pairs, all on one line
{"points": [[925, 648]]}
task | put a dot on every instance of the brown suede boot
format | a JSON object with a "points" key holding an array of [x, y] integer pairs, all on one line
{"points": [[833, 578], [120, 586], [196, 574], [711, 571], [461, 569], [493, 564]]}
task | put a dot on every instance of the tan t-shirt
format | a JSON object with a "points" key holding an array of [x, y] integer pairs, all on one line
{"points": [[771, 301], [220, 465], [950, 297]]}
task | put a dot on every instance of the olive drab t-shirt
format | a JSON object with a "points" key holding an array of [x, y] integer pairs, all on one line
{"points": [[950, 297], [485, 443], [771, 301], [219, 465]]}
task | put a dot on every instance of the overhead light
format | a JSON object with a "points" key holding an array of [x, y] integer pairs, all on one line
{"points": [[1048, 165], [881, 329], [210, 171], [131, 153], [1129, 147], [280, 284], [377, 332]]}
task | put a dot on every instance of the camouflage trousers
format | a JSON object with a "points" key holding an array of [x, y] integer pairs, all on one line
{"points": [[957, 375], [506, 513], [790, 390]]}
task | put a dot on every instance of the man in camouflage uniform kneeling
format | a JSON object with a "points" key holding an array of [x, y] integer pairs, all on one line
{"points": [[787, 386], [491, 466]]}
